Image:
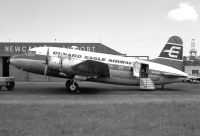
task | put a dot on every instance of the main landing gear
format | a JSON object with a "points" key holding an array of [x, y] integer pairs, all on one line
{"points": [[72, 86]]}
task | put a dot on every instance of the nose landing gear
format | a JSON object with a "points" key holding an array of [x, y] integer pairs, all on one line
{"points": [[72, 86]]}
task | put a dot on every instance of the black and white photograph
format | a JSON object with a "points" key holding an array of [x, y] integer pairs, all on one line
{"points": [[99, 68]]}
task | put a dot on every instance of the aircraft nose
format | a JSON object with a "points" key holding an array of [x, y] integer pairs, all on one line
{"points": [[13, 61], [16, 61]]}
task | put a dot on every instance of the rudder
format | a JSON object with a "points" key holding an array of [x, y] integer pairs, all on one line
{"points": [[172, 53]]}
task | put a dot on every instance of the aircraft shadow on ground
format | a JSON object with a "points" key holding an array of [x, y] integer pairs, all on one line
{"points": [[91, 90], [129, 90], [83, 91]]}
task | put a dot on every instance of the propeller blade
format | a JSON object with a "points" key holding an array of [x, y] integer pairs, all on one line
{"points": [[47, 56], [45, 69], [47, 62]]}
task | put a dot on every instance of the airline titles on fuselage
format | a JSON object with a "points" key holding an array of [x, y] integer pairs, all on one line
{"points": [[63, 55]]}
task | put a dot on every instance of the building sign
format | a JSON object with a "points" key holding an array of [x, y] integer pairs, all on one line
{"points": [[16, 49], [9, 49], [24, 49]]}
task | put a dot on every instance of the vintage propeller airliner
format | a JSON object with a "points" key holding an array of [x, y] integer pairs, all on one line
{"points": [[105, 68]]}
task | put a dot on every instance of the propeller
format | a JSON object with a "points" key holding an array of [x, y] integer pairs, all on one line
{"points": [[47, 62]]}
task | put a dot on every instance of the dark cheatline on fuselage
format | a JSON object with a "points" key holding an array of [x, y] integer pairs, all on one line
{"points": [[98, 67]]}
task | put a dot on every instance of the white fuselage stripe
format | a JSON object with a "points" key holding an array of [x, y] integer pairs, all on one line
{"points": [[106, 58]]}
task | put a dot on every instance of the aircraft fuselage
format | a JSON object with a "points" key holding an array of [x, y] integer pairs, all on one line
{"points": [[121, 69]]}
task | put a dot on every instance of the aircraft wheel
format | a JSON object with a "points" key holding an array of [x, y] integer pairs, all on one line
{"points": [[72, 86]]}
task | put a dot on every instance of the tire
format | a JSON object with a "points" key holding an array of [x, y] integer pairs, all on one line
{"points": [[10, 88], [73, 87]]}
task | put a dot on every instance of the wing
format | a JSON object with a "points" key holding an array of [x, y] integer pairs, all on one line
{"points": [[92, 68]]}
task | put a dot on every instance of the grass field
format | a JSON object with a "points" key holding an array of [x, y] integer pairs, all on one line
{"points": [[119, 119], [45, 109]]}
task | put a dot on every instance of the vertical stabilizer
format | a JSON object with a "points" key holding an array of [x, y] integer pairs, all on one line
{"points": [[172, 53]]}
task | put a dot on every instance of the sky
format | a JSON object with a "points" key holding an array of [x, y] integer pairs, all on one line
{"points": [[132, 27]]}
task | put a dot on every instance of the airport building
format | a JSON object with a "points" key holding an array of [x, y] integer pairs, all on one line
{"points": [[192, 66], [8, 49], [192, 62]]}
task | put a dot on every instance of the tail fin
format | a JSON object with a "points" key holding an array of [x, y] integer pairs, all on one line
{"points": [[172, 53]]}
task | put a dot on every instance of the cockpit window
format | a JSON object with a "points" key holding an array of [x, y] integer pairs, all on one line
{"points": [[31, 53]]}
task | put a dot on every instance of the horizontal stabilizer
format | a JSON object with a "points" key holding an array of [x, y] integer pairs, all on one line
{"points": [[171, 75]]}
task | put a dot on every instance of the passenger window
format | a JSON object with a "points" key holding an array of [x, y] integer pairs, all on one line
{"points": [[31, 53]]}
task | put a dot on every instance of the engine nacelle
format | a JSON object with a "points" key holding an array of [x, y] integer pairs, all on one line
{"points": [[54, 64], [62, 64], [68, 63]]}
